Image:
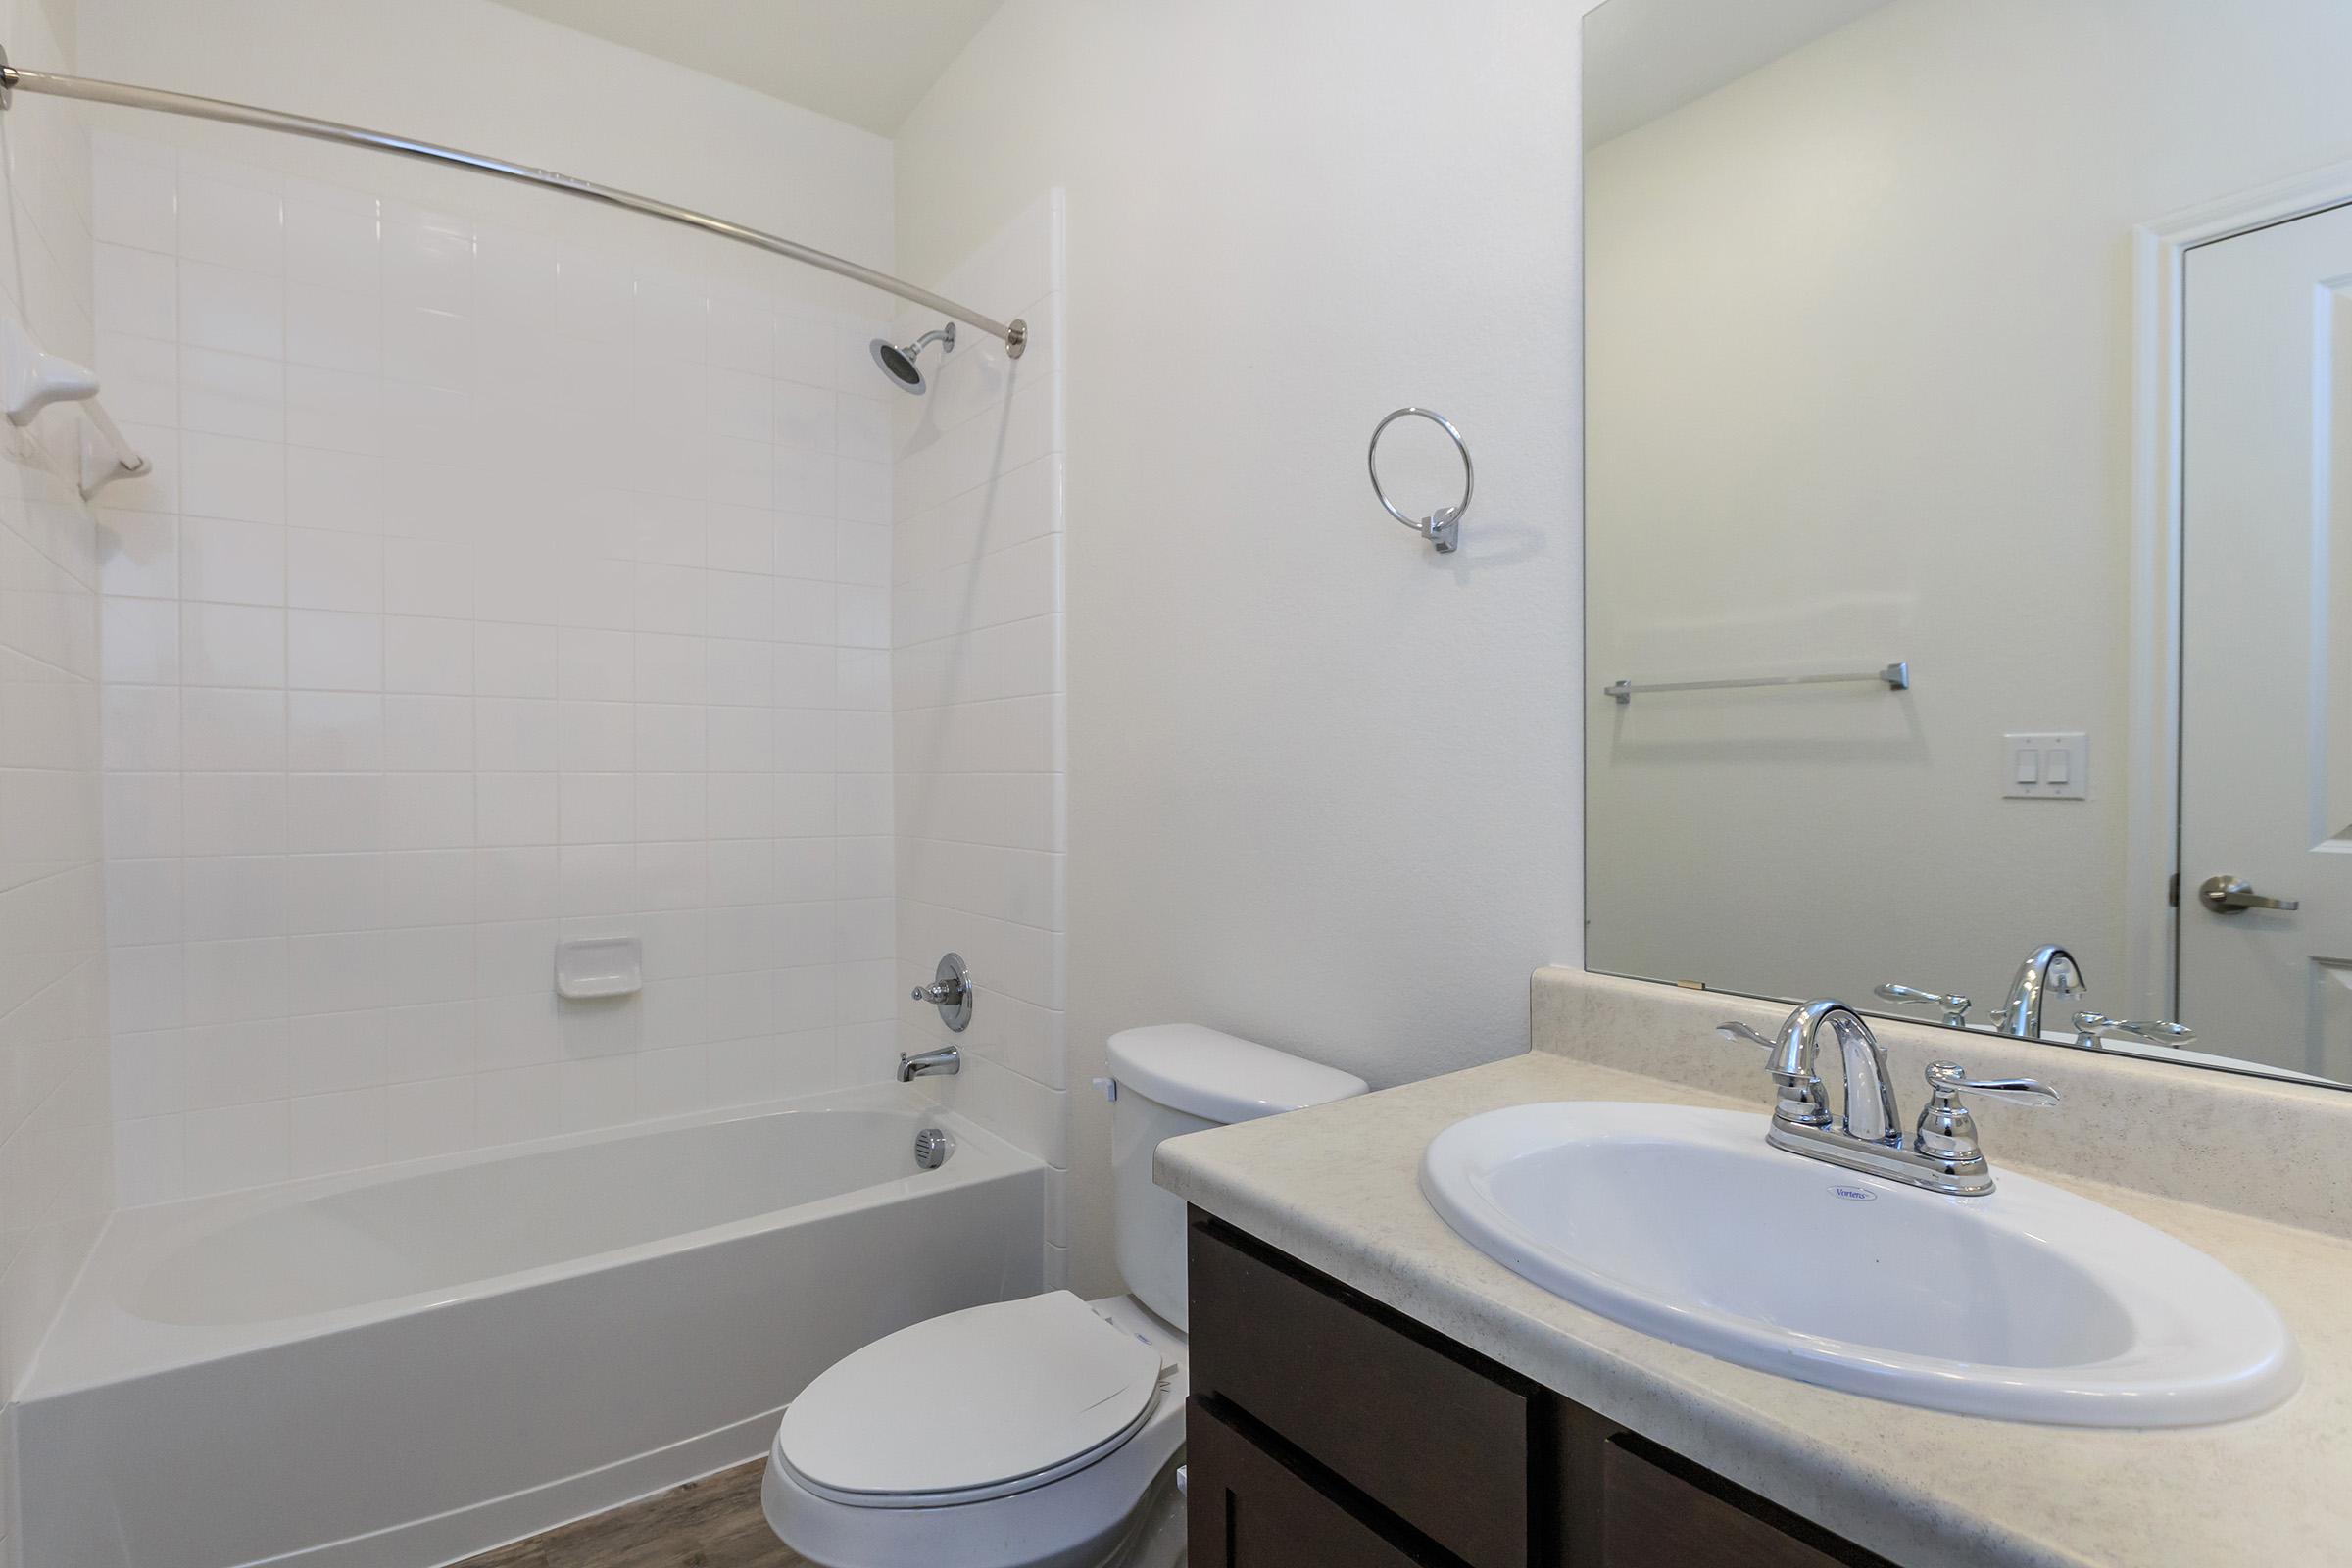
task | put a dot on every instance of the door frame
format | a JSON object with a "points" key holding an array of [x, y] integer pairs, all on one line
{"points": [[2152, 742]]}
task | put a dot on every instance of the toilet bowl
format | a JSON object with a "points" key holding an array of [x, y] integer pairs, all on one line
{"points": [[1043, 1432]]}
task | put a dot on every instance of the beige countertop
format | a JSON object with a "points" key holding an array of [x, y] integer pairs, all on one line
{"points": [[1338, 1186]]}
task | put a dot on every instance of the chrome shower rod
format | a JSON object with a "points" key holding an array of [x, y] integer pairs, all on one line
{"points": [[15, 79]]}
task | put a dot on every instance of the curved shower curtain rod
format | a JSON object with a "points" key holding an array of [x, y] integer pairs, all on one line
{"points": [[15, 79]]}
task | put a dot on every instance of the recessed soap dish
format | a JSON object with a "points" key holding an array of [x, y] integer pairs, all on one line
{"points": [[600, 967]]}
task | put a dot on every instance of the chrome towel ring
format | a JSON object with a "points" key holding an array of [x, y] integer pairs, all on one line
{"points": [[1443, 526]]}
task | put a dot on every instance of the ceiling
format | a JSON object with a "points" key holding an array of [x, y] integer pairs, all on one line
{"points": [[1647, 58], [869, 62]]}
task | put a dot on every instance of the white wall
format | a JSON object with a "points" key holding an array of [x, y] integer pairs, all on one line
{"points": [[480, 75], [977, 617], [56, 1165], [1860, 385], [512, 570], [1323, 784]]}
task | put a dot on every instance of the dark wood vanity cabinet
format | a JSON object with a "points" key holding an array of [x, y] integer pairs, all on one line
{"points": [[1327, 1431]]}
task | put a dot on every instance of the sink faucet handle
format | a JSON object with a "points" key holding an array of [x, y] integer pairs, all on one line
{"points": [[1947, 1132], [1955, 1005], [2092, 1027], [1800, 1100], [1948, 1080]]}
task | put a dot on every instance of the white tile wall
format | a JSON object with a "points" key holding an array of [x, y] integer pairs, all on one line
{"points": [[56, 1142], [492, 587], [976, 614]]}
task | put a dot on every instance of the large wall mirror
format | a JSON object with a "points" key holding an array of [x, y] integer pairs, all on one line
{"points": [[1970, 514]]}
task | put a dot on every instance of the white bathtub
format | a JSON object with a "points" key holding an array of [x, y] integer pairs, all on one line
{"points": [[405, 1368]]}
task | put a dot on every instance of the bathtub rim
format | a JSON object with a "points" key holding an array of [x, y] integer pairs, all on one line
{"points": [[95, 1341]]}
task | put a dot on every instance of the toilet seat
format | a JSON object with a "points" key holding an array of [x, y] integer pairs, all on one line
{"points": [[978, 1405]]}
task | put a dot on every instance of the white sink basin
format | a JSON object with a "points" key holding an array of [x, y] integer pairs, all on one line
{"points": [[2029, 1304]]}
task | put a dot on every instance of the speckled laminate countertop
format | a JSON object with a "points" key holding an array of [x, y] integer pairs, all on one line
{"points": [[1338, 1186]]}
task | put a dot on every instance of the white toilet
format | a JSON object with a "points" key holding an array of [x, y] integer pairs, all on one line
{"points": [[1042, 1433]]}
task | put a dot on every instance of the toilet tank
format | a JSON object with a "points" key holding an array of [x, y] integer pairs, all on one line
{"points": [[1178, 1078]]}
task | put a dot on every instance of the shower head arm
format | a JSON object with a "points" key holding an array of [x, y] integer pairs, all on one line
{"points": [[943, 336]]}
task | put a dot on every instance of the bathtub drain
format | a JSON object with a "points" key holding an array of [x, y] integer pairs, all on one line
{"points": [[932, 1146]]}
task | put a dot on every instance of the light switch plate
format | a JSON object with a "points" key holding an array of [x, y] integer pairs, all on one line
{"points": [[2057, 763]]}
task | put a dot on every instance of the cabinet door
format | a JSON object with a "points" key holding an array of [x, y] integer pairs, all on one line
{"points": [[1246, 1510], [1660, 1511], [1433, 1433]]}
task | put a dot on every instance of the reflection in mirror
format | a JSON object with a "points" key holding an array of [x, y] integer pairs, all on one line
{"points": [[1970, 438]]}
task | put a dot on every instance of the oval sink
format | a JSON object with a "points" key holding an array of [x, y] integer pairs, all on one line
{"points": [[2028, 1304]]}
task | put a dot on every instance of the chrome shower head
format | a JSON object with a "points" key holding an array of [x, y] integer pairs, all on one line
{"points": [[898, 362]]}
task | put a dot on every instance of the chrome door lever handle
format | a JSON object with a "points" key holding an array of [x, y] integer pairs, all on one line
{"points": [[2234, 895]]}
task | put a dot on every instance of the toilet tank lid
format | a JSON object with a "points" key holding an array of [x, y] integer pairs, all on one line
{"points": [[1219, 1077]]}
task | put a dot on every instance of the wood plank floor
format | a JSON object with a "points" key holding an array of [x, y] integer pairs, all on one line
{"points": [[712, 1523]]}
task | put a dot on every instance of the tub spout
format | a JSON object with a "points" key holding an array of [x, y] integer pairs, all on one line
{"points": [[946, 1060]]}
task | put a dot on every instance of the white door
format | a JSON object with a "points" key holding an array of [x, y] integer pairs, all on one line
{"points": [[2266, 722]]}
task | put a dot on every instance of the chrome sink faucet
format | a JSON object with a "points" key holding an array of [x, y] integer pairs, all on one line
{"points": [[2045, 970], [1941, 1155], [1804, 1101]]}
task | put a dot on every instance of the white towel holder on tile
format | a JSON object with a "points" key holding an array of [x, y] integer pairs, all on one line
{"points": [[31, 378], [106, 454]]}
